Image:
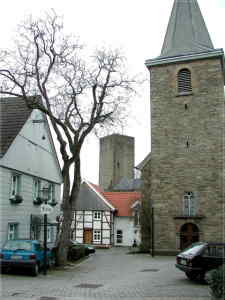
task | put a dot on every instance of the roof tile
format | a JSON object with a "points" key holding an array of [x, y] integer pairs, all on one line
{"points": [[122, 201]]}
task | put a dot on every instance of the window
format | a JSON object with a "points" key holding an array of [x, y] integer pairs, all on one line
{"points": [[51, 195], [13, 231], [39, 247], [15, 185], [97, 235], [184, 81], [37, 189], [136, 218], [189, 204], [97, 215], [119, 236], [214, 251]]}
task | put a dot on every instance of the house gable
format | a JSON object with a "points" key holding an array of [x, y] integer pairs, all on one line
{"points": [[90, 199], [29, 148]]}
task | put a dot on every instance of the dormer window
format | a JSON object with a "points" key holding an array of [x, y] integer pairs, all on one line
{"points": [[184, 81]]}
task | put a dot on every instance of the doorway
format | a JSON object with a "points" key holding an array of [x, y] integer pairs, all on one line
{"points": [[189, 234], [88, 236]]}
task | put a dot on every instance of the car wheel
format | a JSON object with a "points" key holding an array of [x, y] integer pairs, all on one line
{"points": [[35, 270], [192, 275]]}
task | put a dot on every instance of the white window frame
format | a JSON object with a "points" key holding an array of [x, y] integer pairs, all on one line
{"points": [[15, 185], [97, 235], [119, 236], [12, 233], [97, 215], [51, 197]]}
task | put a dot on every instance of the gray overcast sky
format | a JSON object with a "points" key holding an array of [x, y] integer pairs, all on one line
{"points": [[137, 27]]}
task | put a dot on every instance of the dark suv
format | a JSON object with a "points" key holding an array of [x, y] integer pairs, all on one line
{"points": [[199, 258]]}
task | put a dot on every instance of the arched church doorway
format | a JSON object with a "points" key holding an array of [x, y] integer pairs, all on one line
{"points": [[189, 233]]}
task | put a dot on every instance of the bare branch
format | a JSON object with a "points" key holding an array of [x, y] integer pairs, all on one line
{"points": [[78, 95]]}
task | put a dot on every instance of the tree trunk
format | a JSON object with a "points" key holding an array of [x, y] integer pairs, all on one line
{"points": [[68, 206], [62, 246], [65, 227]]}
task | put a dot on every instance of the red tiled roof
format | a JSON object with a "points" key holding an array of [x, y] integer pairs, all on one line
{"points": [[122, 201]]}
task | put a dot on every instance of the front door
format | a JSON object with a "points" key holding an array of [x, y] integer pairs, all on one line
{"points": [[189, 234], [87, 236]]}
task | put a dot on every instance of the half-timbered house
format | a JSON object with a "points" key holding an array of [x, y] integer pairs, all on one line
{"points": [[106, 218], [93, 217]]}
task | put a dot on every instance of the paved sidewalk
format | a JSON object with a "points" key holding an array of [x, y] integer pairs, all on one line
{"points": [[108, 275]]}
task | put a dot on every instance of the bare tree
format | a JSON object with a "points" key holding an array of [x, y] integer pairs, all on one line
{"points": [[78, 95]]}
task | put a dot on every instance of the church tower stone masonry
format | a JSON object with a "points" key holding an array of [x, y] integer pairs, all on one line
{"points": [[187, 134], [116, 160]]}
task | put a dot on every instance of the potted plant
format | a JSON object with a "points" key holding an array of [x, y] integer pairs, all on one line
{"points": [[53, 203], [16, 199], [38, 201], [216, 281]]}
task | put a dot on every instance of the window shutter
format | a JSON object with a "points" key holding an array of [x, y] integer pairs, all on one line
{"points": [[184, 81]]}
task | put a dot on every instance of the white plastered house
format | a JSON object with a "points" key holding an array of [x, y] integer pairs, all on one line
{"points": [[28, 162]]}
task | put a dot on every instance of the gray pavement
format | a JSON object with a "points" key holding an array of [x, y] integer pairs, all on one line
{"points": [[107, 275]]}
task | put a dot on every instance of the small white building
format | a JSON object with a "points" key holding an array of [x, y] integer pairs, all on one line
{"points": [[126, 217], [106, 218], [28, 162]]}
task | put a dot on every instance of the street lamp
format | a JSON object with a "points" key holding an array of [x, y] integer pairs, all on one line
{"points": [[45, 195]]}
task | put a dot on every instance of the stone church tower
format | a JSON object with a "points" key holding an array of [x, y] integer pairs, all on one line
{"points": [[186, 175], [116, 160]]}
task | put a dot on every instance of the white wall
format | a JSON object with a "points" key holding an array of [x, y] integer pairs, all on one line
{"points": [[126, 224], [20, 213], [30, 153]]}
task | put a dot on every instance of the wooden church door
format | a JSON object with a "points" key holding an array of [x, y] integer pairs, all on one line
{"points": [[189, 234]]}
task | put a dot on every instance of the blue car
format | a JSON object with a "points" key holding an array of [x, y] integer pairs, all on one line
{"points": [[27, 254]]}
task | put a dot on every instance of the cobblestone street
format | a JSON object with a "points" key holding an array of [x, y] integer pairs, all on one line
{"points": [[107, 275]]}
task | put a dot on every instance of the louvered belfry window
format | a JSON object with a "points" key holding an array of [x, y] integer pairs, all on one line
{"points": [[184, 81]]}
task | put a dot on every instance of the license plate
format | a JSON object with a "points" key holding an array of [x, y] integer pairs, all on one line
{"points": [[16, 257], [183, 262]]}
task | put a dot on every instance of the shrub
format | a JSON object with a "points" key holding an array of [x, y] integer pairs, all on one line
{"points": [[76, 252], [216, 281]]}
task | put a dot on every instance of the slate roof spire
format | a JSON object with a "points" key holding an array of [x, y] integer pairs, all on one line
{"points": [[186, 31]]}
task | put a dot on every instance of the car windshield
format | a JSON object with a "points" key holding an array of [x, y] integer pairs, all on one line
{"points": [[76, 242], [193, 249], [18, 245]]}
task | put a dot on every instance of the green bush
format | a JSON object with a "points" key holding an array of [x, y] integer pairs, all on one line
{"points": [[216, 281], [76, 252]]}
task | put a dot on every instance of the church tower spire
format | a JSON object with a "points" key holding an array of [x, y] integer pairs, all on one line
{"points": [[186, 31], [187, 37]]}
